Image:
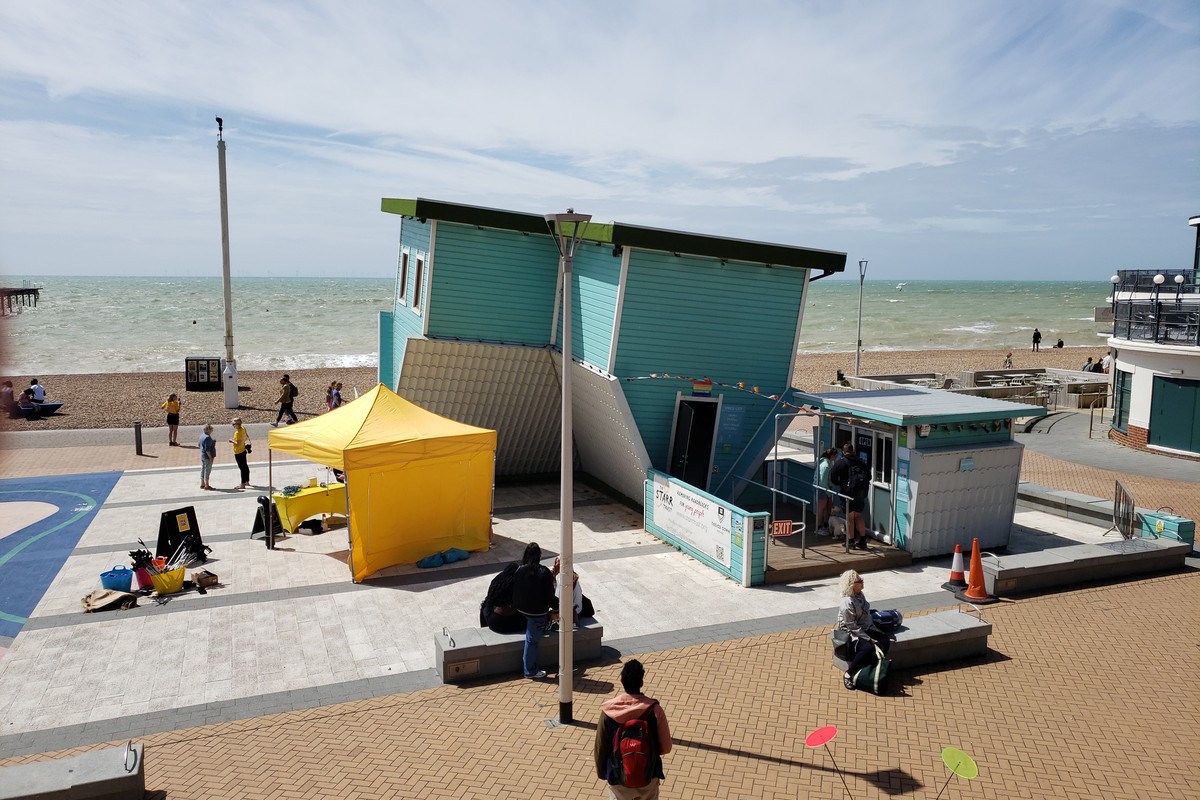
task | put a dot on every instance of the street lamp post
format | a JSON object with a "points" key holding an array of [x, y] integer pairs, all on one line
{"points": [[229, 376], [862, 274], [567, 230]]}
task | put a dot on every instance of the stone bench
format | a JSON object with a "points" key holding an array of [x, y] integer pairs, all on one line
{"points": [[1081, 563], [475, 652], [933, 638], [115, 773]]}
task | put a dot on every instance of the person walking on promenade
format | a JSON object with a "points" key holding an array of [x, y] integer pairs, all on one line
{"points": [[614, 714], [208, 454], [854, 615], [1037, 340], [853, 478], [241, 448], [287, 396], [533, 595], [171, 406]]}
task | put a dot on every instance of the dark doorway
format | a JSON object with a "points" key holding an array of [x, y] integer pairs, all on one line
{"points": [[691, 449]]}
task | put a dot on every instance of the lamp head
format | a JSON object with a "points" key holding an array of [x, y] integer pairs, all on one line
{"points": [[1159, 279], [1179, 279], [1114, 280]]}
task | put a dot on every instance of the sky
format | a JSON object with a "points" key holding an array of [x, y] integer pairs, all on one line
{"points": [[936, 140]]}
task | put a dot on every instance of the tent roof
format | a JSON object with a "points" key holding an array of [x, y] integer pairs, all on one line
{"points": [[380, 427]]}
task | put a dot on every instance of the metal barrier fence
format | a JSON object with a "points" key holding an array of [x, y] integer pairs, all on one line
{"points": [[1124, 515]]}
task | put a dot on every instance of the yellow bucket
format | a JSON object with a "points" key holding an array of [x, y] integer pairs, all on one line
{"points": [[168, 582]]}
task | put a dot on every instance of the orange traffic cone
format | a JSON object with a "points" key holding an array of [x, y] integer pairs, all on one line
{"points": [[976, 592], [957, 580]]}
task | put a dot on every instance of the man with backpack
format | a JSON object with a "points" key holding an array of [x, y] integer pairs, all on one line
{"points": [[631, 739], [853, 478], [287, 395]]}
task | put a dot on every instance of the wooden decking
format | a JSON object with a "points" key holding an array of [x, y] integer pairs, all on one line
{"points": [[803, 557]]}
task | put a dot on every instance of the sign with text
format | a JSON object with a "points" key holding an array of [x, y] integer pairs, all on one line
{"points": [[702, 522]]}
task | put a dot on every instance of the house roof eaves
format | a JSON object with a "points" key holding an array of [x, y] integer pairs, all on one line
{"points": [[622, 235]]}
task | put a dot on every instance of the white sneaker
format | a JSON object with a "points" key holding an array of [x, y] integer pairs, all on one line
{"points": [[537, 676], [822, 531]]}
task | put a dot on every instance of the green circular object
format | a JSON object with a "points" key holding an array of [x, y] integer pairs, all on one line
{"points": [[960, 763]]}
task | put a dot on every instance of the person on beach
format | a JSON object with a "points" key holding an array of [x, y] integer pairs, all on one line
{"points": [[241, 448], [1037, 340], [208, 454], [1008, 361], [1105, 362], [171, 406], [1059, 345], [1087, 365], [329, 396], [854, 616], [337, 395], [287, 395], [37, 392]]}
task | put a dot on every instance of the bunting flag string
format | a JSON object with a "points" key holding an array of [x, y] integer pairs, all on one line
{"points": [[702, 387]]}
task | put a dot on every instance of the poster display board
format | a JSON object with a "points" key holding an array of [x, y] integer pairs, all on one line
{"points": [[698, 520]]}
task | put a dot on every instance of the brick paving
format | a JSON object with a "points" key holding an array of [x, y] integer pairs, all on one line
{"points": [[1077, 698], [1042, 716]]}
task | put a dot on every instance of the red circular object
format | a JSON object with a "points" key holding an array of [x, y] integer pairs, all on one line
{"points": [[820, 736]]}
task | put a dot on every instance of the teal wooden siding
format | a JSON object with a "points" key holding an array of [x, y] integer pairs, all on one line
{"points": [[597, 276], [387, 362], [695, 317], [492, 285]]}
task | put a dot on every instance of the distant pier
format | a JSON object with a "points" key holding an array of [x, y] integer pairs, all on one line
{"points": [[11, 299]]}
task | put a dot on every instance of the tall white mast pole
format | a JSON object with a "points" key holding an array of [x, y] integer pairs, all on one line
{"points": [[229, 376]]}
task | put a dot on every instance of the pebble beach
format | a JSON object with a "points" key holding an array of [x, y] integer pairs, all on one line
{"points": [[117, 400]]}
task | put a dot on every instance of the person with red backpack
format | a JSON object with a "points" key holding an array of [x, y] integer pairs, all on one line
{"points": [[631, 739]]}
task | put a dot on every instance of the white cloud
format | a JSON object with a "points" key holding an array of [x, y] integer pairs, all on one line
{"points": [[768, 119]]}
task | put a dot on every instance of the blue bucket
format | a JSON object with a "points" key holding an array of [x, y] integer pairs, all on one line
{"points": [[118, 578]]}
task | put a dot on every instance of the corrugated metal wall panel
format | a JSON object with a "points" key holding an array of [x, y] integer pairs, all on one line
{"points": [[606, 438], [494, 285], [511, 389], [952, 506]]}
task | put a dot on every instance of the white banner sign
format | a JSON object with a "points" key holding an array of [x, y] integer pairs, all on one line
{"points": [[703, 523]]}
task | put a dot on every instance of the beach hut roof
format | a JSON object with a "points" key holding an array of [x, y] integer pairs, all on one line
{"points": [[918, 406]]}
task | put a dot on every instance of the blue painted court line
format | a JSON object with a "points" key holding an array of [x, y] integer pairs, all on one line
{"points": [[31, 557]]}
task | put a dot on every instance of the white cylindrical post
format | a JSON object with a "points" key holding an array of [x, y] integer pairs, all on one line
{"points": [[862, 274], [229, 378]]}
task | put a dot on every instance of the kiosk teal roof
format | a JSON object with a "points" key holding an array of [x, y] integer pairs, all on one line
{"points": [[918, 406]]}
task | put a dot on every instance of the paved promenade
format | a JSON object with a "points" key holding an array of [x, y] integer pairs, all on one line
{"points": [[290, 681]]}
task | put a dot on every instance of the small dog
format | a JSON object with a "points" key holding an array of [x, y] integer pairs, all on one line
{"points": [[837, 527]]}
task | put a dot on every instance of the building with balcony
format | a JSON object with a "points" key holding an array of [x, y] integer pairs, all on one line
{"points": [[1156, 357]]}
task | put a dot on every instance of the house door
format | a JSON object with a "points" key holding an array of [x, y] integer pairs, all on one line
{"points": [[692, 442]]}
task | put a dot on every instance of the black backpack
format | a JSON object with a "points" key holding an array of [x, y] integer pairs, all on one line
{"points": [[295, 391], [857, 479]]}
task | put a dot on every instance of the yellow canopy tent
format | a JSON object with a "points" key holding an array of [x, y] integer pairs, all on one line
{"points": [[417, 483]]}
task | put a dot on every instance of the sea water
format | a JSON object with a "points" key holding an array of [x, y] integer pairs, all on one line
{"points": [[87, 325]]}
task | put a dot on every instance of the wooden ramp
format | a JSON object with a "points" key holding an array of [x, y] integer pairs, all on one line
{"points": [[803, 557]]}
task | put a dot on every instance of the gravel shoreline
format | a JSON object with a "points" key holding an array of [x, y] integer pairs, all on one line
{"points": [[117, 400]]}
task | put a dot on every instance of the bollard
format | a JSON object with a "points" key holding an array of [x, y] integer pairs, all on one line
{"points": [[137, 436]]}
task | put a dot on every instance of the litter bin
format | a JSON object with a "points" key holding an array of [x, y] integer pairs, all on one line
{"points": [[202, 374]]}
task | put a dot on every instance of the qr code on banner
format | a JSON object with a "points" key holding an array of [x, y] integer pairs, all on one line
{"points": [[720, 552]]}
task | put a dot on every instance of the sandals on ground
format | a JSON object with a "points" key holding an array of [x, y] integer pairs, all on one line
{"points": [[848, 682]]}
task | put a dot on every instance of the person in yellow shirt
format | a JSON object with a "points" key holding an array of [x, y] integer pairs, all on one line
{"points": [[171, 406], [241, 449]]}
